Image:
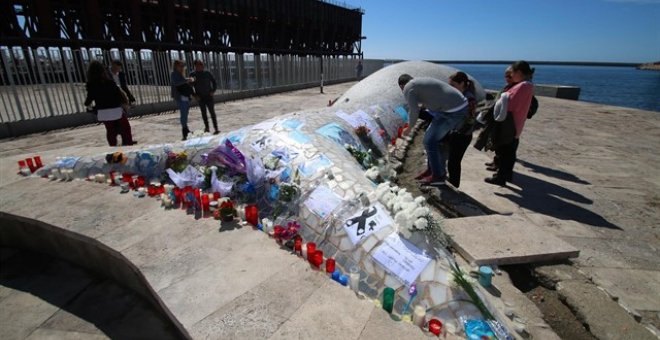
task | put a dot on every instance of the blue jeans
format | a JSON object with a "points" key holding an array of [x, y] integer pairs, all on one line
{"points": [[440, 126], [184, 107]]}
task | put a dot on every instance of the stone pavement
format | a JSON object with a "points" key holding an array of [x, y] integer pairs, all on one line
{"points": [[596, 168], [227, 282], [577, 162]]}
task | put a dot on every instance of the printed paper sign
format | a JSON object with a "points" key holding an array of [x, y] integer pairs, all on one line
{"points": [[401, 258], [336, 133], [367, 222], [322, 201], [267, 125], [366, 120]]}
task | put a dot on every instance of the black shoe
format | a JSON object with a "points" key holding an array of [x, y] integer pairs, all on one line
{"points": [[216, 132], [492, 168], [494, 180], [491, 163], [206, 130]]}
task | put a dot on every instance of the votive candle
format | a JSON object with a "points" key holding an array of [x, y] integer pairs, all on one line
{"points": [[354, 278], [419, 316], [330, 265], [311, 249], [435, 326]]}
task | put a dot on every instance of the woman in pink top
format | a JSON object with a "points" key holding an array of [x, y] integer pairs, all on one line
{"points": [[512, 105]]}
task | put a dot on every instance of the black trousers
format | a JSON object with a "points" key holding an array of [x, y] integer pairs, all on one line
{"points": [[506, 158], [206, 102], [458, 143]]}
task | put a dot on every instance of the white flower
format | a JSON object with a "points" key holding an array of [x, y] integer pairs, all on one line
{"points": [[421, 211], [421, 223], [213, 168], [372, 174], [420, 200]]}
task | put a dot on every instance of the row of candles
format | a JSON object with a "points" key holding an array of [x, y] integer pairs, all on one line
{"points": [[28, 166], [315, 257], [210, 203]]}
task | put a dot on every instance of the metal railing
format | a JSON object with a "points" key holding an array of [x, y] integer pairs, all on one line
{"points": [[46, 82]]}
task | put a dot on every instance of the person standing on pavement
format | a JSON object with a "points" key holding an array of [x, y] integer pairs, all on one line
{"points": [[108, 100], [181, 92], [446, 105], [120, 79], [513, 104], [460, 138], [205, 87]]}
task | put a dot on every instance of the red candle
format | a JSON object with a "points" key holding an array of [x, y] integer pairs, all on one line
{"points": [[140, 182], [435, 326], [37, 162], [216, 196], [111, 174], [318, 258], [198, 195], [30, 164], [252, 214], [21, 164], [330, 266], [205, 203], [311, 249], [151, 190], [297, 245], [126, 177]]}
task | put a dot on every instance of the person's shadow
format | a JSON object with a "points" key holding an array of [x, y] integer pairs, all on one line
{"points": [[229, 226], [553, 200], [552, 172]]}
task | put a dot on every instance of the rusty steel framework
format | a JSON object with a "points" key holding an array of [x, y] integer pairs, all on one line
{"points": [[297, 27]]}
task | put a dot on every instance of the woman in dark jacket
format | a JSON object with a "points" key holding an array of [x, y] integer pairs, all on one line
{"points": [[108, 100]]}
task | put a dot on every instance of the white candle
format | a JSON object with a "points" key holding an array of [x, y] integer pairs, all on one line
{"points": [[213, 205], [354, 278], [419, 316], [100, 178], [69, 174], [304, 250], [91, 178]]}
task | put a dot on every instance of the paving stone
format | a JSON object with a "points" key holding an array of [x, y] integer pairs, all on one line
{"points": [[631, 286], [497, 239], [592, 306]]}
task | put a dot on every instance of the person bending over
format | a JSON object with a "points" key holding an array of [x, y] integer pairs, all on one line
{"points": [[446, 105]]}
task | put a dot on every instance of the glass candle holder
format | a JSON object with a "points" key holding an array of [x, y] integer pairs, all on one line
{"points": [[419, 316], [141, 181], [297, 245], [330, 265], [22, 164], [205, 203], [354, 278], [30, 164], [311, 249], [252, 214], [388, 299], [37, 162], [318, 258], [435, 327]]}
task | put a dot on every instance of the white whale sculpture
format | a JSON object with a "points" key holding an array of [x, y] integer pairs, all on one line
{"points": [[352, 219]]}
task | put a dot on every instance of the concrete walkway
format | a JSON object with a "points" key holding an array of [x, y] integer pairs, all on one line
{"points": [[597, 166], [577, 162], [214, 282]]}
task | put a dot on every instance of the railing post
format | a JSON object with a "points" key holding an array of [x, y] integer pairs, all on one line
{"points": [[13, 67]]}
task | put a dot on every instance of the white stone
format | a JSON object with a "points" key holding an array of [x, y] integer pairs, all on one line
{"points": [[392, 282], [438, 294], [346, 244], [369, 267], [427, 273], [369, 243]]}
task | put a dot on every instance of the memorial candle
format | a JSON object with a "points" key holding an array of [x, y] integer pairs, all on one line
{"points": [[435, 327], [311, 249], [37, 161], [419, 316], [297, 245], [330, 266], [317, 258], [388, 299], [205, 203], [252, 214], [30, 164], [354, 278]]}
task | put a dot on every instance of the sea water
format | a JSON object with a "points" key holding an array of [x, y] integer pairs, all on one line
{"points": [[611, 85]]}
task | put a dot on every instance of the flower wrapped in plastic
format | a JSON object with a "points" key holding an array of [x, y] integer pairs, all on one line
{"points": [[229, 156]]}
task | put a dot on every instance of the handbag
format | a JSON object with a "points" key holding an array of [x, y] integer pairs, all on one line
{"points": [[105, 115]]}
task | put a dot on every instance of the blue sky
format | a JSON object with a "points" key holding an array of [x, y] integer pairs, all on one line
{"points": [[557, 30]]}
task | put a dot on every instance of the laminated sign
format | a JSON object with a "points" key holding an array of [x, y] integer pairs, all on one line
{"points": [[366, 222]]}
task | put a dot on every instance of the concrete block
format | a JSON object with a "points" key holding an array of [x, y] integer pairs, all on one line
{"points": [[557, 91], [497, 239]]}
